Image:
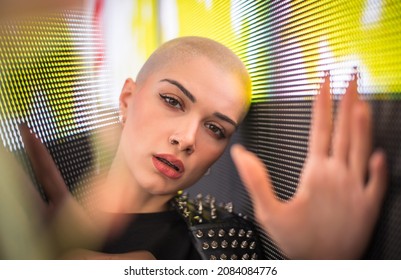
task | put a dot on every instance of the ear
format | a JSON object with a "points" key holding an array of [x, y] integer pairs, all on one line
{"points": [[126, 92]]}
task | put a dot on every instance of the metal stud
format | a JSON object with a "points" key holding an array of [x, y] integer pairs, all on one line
{"points": [[212, 202], [214, 244], [184, 196], [210, 233], [224, 244], [254, 256], [229, 207], [200, 207], [213, 213], [186, 212], [244, 244], [231, 232], [249, 233], [213, 257], [252, 245], [234, 257], [234, 244], [205, 245], [241, 233], [182, 204], [245, 257], [199, 233], [223, 257], [207, 199], [221, 232], [198, 219]]}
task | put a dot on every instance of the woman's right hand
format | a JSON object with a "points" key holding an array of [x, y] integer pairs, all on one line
{"points": [[69, 224]]}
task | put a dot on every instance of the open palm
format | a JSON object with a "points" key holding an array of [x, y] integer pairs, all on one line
{"points": [[335, 208]]}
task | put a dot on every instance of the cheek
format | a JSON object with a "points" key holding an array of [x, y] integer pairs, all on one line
{"points": [[209, 152], [144, 117]]}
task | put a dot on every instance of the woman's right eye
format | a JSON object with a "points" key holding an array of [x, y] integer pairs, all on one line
{"points": [[171, 101]]}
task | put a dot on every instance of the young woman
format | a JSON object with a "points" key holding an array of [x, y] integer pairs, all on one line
{"points": [[177, 118]]}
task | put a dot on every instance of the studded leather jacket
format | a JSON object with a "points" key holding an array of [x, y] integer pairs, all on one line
{"points": [[217, 232]]}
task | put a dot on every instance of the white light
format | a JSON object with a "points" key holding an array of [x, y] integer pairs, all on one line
{"points": [[372, 12], [169, 19]]}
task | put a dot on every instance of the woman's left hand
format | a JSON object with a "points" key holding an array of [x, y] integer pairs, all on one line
{"points": [[334, 210]]}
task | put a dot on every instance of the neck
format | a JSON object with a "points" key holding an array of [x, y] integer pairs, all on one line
{"points": [[121, 193]]}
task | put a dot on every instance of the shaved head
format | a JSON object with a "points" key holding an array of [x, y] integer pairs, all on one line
{"points": [[183, 49]]}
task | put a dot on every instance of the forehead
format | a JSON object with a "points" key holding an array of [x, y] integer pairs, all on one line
{"points": [[212, 85]]}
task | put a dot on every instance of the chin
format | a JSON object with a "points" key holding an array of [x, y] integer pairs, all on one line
{"points": [[163, 192], [160, 188]]}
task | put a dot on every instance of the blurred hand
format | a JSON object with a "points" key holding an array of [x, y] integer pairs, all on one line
{"points": [[335, 208], [67, 221]]}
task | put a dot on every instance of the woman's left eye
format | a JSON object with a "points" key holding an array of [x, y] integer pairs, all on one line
{"points": [[171, 101], [216, 130]]}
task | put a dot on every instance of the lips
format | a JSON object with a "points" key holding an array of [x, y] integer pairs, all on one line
{"points": [[168, 165]]}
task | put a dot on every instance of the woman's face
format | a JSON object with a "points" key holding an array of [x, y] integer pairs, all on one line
{"points": [[178, 122]]}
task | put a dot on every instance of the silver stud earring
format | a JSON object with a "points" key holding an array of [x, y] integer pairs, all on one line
{"points": [[121, 119]]}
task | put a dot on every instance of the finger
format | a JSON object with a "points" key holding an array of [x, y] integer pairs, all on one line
{"points": [[361, 139], [341, 138], [17, 183], [255, 177], [377, 183], [44, 167], [320, 134]]}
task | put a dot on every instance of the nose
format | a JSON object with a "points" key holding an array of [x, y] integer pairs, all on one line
{"points": [[185, 139]]}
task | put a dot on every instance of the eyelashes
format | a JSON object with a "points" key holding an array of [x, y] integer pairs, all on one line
{"points": [[219, 132], [173, 102]]}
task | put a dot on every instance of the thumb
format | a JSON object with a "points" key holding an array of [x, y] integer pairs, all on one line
{"points": [[255, 177]]}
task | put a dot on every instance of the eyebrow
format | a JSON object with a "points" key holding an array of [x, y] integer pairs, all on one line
{"points": [[225, 118], [182, 88]]}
